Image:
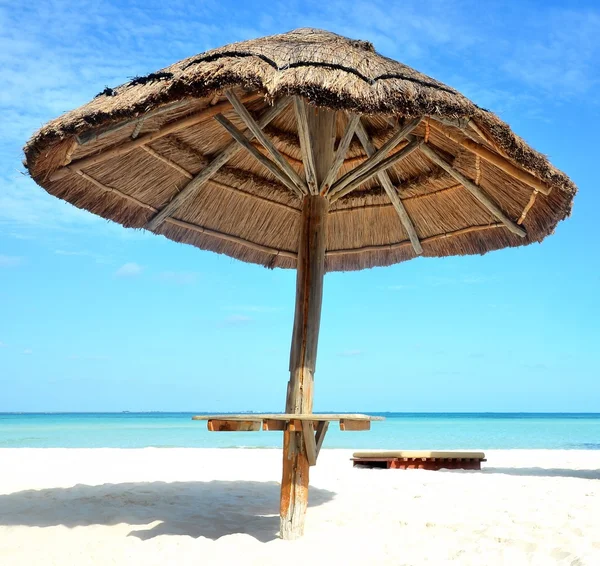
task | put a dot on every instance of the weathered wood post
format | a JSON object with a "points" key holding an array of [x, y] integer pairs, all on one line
{"points": [[317, 137]]}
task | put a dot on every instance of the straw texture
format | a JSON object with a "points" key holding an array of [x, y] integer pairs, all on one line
{"points": [[243, 210]]}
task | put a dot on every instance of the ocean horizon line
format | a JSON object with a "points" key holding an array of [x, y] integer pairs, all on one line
{"points": [[396, 413]]}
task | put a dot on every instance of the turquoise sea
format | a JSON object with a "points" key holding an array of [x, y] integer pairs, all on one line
{"points": [[399, 430]]}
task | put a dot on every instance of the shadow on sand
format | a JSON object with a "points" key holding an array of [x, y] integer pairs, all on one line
{"points": [[198, 509], [545, 472]]}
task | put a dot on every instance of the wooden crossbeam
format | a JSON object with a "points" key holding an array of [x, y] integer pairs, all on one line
{"points": [[391, 191], [348, 424], [306, 145], [215, 425], [258, 133], [340, 153], [123, 148], [377, 157], [240, 138], [381, 166], [498, 160], [211, 168], [476, 191]]}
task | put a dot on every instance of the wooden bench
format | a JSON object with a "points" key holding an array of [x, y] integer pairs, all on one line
{"points": [[313, 426], [419, 459]]}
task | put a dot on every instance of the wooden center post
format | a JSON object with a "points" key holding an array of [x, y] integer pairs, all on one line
{"points": [[316, 127]]}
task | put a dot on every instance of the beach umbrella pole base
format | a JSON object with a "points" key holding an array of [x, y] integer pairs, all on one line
{"points": [[298, 447]]}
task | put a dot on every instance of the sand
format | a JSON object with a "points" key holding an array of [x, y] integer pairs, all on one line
{"points": [[212, 506]]}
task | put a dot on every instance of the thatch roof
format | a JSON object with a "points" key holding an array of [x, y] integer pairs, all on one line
{"points": [[160, 133]]}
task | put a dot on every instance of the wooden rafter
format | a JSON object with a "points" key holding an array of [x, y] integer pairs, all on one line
{"points": [[391, 191], [528, 207], [240, 138], [123, 148], [231, 238], [378, 156], [211, 168], [94, 135], [498, 160], [306, 146], [405, 243], [340, 153], [476, 191], [375, 169], [258, 133]]}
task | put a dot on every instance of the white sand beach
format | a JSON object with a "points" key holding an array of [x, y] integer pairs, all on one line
{"points": [[213, 506]]}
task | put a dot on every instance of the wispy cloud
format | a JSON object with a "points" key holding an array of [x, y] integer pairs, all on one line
{"points": [[252, 308], [129, 270], [237, 320], [10, 261], [350, 353], [399, 287], [85, 357], [27, 352], [178, 277]]}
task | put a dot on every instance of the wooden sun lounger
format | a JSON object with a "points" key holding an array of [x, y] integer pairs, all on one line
{"points": [[419, 459]]}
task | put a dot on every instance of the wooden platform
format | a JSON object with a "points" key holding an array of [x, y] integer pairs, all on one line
{"points": [[284, 421], [422, 460], [310, 426]]}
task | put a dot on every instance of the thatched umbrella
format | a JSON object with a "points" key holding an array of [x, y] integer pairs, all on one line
{"points": [[304, 150]]}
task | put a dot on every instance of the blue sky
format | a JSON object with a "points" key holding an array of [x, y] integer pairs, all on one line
{"points": [[96, 317]]}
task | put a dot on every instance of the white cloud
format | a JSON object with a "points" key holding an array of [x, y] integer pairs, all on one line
{"points": [[88, 358], [351, 353], [178, 277], [252, 308], [10, 261], [238, 319], [129, 270], [67, 252], [27, 352]]}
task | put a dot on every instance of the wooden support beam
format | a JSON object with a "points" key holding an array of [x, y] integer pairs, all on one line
{"points": [[498, 160], [348, 424], [378, 156], [391, 191], [96, 135], [167, 161], [232, 426], [123, 148], [476, 191], [211, 168], [231, 238], [340, 153], [375, 169], [312, 241], [256, 130], [310, 445], [527, 207], [320, 435], [274, 424], [138, 127], [271, 166], [405, 243], [306, 145], [309, 294]]}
